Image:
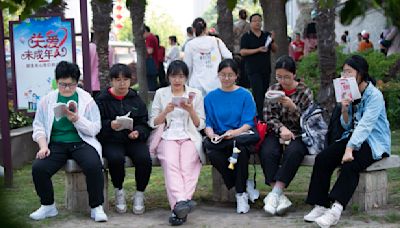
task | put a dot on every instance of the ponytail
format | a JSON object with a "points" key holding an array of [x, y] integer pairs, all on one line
{"points": [[199, 25]]}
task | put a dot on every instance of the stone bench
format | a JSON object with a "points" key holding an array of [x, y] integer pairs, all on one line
{"points": [[76, 196], [371, 192]]}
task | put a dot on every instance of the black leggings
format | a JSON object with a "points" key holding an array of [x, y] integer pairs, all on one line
{"points": [[138, 152], [325, 163], [86, 157]]}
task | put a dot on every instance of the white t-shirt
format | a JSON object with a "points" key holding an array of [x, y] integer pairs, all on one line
{"points": [[176, 129], [172, 54], [203, 55]]}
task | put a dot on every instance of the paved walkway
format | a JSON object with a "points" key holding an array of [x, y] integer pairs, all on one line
{"points": [[210, 216]]}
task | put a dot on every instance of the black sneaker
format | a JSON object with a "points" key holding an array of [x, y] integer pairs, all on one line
{"points": [[181, 209], [192, 204], [175, 221]]}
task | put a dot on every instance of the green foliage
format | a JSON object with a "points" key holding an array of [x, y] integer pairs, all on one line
{"points": [[126, 34], [356, 8], [165, 29], [19, 119], [379, 66], [211, 15]]}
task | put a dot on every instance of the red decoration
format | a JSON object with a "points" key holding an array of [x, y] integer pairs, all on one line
{"points": [[119, 26], [119, 16], [119, 8]]}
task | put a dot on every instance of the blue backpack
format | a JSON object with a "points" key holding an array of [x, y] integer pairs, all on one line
{"points": [[314, 128]]}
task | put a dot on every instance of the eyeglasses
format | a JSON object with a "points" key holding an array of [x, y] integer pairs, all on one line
{"points": [[284, 78], [226, 76], [65, 85]]}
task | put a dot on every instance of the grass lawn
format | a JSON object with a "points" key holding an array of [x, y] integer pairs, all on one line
{"points": [[17, 202]]}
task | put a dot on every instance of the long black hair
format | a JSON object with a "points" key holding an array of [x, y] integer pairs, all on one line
{"points": [[359, 64]]}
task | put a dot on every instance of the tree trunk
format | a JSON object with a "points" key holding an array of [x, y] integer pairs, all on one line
{"points": [[327, 55], [274, 14], [137, 9], [55, 7], [101, 27], [225, 23]]}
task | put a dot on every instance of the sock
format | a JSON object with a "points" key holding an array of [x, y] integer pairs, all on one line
{"points": [[139, 193], [277, 191]]}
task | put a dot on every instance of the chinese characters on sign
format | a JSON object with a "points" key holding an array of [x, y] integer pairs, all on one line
{"points": [[38, 44]]}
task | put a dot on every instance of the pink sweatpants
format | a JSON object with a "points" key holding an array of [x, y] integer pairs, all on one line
{"points": [[181, 165]]}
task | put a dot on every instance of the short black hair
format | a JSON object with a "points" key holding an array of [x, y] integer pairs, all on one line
{"points": [[172, 38], [176, 67], [254, 15], [146, 28], [66, 69], [228, 63], [243, 14], [120, 69], [286, 62], [189, 30]]}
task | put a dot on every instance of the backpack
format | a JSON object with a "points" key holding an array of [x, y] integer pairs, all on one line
{"points": [[314, 128]]}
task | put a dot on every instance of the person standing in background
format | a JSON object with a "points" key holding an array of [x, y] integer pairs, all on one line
{"points": [[173, 52], [257, 57], [94, 64], [240, 27], [189, 35], [298, 48], [202, 56], [160, 59], [151, 59]]}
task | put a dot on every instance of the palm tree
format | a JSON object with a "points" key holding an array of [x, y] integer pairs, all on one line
{"points": [[326, 51], [225, 23], [274, 14], [101, 28], [137, 9]]}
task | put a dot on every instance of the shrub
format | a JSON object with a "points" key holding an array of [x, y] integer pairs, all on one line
{"points": [[19, 119], [379, 66]]}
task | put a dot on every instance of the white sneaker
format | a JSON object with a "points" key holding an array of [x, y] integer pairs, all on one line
{"points": [[44, 211], [120, 202], [271, 202], [98, 214], [253, 193], [283, 204], [242, 204], [316, 212], [329, 218], [138, 203]]}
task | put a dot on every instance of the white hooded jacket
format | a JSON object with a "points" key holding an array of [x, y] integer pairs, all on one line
{"points": [[203, 55]]}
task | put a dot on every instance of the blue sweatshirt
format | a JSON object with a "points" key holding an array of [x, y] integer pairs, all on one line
{"points": [[229, 110]]}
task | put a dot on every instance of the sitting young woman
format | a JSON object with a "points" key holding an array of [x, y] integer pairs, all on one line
{"points": [[179, 150], [67, 132], [120, 140], [366, 139], [230, 111], [283, 149]]}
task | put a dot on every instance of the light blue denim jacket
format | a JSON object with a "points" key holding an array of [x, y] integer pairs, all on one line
{"points": [[371, 123]]}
